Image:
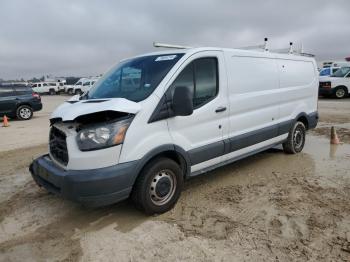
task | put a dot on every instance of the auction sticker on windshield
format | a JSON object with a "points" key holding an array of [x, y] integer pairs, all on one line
{"points": [[165, 58]]}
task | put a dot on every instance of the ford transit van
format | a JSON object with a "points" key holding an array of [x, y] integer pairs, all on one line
{"points": [[155, 120]]}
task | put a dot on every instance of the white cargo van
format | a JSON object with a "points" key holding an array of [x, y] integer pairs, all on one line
{"points": [[77, 86], [86, 85], [337, 85], [155, 120]]}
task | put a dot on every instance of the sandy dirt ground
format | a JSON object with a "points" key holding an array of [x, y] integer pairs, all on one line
{"points": [[268, 207]]}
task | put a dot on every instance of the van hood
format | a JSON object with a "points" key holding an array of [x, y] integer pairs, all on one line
{"points": [[74, 108]]}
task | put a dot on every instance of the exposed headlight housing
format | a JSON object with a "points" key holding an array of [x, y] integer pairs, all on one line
{"points": [[103, 135]]}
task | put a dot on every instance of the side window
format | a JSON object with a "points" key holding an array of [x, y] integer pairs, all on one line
{"points": [[23, 90], [39, 85], [6, 91], [44, 84], [206, 81], [325, 72], [34, 85], [200, 76], [185, 78]]}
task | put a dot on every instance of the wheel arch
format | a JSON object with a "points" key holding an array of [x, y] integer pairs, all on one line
{"points": [[304, 118], [23, 104], [170, 151], [343, 86]]}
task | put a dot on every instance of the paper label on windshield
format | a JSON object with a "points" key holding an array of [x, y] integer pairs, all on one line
{"points": [[165, 58]]}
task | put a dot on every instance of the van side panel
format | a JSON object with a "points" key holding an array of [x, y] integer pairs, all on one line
{"points": [[298, 88], [253, 92]]}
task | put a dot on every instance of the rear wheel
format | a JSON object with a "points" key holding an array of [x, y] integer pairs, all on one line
{"points": [[296, 139], [24, 112], [70, 91], [341, 92], [78, 92], [158, 187], [52, 92]]}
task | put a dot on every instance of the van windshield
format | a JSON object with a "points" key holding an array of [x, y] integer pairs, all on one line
{"points": [[134, 79], [341, 72]]}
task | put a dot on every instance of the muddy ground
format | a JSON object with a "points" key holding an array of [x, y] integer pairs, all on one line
{"points": [[268, 207]]}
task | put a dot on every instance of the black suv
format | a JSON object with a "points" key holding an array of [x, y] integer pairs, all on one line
{"points": [[18, 101]]}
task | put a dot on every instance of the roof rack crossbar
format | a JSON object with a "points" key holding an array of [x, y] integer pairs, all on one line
{"points": [[155, 44]]}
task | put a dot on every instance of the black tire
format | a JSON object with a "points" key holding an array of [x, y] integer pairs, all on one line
{"points": [[52, 92], [24, 112], [340, 92], [296, 139], [78, 92], [70, 91], [153, 192]]}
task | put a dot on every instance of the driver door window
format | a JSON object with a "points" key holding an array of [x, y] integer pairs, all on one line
{"points": [[201, 76]]}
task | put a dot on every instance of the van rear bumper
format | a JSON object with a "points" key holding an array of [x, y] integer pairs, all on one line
{"points": [[94, 187]]}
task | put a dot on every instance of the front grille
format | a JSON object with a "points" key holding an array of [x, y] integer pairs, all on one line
{"points": [[58, 145]]}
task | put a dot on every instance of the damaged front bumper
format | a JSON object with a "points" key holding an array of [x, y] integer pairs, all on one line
{"points": [[94, 187]]}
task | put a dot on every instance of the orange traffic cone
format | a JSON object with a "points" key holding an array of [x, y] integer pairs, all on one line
{"points": [[334, 137], [5, 121]]}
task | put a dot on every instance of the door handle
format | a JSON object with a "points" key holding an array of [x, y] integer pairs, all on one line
{"points": [[220, 109]]}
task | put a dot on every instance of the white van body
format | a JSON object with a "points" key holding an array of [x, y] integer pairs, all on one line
{"points": [[47, 87], [244, 102], [337, 85], [86, 85], [77, 86]]}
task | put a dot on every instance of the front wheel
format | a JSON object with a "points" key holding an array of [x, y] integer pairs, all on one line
{"points": [[78, 92], [296, 139], [52, 92], [158, 187]]}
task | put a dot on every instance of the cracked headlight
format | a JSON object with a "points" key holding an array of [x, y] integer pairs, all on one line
{"points": [[102, 135]]}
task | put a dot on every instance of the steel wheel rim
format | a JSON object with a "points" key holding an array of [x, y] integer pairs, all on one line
{"points": [[298, 138], [25, 113], [163, 176], [340, 93]]}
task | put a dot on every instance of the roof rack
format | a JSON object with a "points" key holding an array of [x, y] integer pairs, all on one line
{"points": [[264, 47]]}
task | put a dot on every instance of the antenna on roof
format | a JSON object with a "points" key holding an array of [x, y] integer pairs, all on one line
{"points": [[155, 44], [291, 47]]}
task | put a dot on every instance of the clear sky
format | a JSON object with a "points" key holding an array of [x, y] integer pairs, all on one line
{"points": [[86, 37]]}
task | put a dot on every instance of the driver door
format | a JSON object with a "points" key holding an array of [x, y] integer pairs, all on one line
{"points": [[202, 133]]}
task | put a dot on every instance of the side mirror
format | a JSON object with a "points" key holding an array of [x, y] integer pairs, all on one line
{"points": [[182, 101]]}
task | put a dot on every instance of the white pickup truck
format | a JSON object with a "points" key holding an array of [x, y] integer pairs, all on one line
{"points": [[51, 88], [337, 85]]}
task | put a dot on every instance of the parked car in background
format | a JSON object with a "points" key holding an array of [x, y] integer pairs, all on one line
{"points": [[51, 88], [155, 120], [77, 86], [87, 84], [18, 101], [336, 85]]}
